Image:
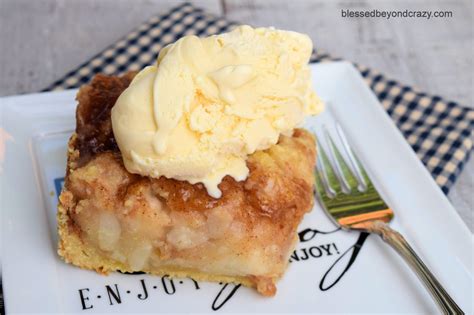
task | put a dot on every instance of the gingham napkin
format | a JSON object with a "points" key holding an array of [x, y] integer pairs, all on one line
{"points": [[438, 130]]}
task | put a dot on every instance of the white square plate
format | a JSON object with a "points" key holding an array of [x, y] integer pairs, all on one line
{"points": [[329, 272]]}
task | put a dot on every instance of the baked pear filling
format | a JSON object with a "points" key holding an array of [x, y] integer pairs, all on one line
{"points": [[119, 213]]}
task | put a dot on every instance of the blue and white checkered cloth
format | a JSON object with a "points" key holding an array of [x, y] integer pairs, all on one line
{"points": [[439, 131]]}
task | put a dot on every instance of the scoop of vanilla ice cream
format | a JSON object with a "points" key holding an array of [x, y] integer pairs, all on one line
{"points": [[210, 102]]}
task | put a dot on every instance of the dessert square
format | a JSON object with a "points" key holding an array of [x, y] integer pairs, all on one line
{"points": [[112, 220]]}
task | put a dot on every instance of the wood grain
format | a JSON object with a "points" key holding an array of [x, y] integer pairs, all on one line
{"points": [[430, 54], [41, 40]]}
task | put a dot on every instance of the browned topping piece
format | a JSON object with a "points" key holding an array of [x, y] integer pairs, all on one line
{"points": [[93, 123]]}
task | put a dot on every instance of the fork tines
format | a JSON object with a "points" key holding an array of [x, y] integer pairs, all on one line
{"points": [[344, 188]]}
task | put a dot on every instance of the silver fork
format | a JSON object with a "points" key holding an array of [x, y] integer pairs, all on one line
{"points": [[350, 199]]}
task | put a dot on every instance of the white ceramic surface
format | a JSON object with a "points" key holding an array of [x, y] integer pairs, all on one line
{"points": [[335, 272]]}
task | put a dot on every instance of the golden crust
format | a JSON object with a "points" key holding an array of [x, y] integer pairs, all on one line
{"points": [[266, 208]]}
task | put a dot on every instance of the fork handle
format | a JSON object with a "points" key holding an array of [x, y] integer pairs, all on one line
{"points": [[400, 244]]}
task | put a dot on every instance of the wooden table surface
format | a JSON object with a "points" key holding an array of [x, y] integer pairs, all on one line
{"points": [[41, 40]]}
